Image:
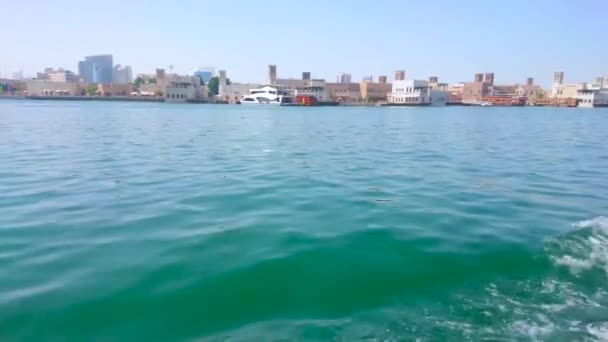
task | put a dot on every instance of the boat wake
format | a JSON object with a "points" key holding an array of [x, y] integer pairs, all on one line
{"points": [[563, 296]]}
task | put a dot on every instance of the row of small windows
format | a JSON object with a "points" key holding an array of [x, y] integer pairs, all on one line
{"points": [[177, 96], [417, 99], [407, 99], [408, 89]]}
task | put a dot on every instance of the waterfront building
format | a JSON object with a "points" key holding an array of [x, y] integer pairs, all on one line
{"points": [[37, 87], [474, 92], [293, 83], [321, 93], [419, 92], [345, 92], [592, 96], [372, 92], [529, 90], [586, 95], [233, 92], [455, 93], [122, 75], [114, 89], [151, 89], [560, 90], [12, 87], [504, 90], [184, 88], [344, 78], [96, 69], [289, 83]]}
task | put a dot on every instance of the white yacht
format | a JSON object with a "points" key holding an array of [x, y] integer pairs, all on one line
{"points": [[268, 95]]}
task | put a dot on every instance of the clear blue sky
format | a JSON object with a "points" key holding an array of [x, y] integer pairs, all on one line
{"points": [[450, 39]]}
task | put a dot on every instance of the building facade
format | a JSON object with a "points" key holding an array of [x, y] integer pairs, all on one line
{"points": [[122, 75], [529, 90], [372, 92], [455, 92], [419, 93], [97, 69], [53, 88], [345, 92], [474, 92], [592, 97], [12, 87], [322, 94], [114, 89], [183, 89], [559, 90]]}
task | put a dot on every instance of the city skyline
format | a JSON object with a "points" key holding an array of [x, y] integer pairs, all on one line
{"points": [[449, 40]]}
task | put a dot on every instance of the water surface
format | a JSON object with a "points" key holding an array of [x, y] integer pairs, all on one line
{"points": [[129, 221]]}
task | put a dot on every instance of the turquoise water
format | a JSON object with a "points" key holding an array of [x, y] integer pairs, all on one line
{"points": [[143, 222]]}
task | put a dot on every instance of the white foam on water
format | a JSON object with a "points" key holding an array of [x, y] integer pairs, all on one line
{"points": [[536, 332], [600, 222], [585, 254], [576, 266], [598, 331]]}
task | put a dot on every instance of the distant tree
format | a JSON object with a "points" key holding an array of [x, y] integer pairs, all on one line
{"points": [[91, 89], [158, 93], [214, 85], [138, 82], [152, 81]]}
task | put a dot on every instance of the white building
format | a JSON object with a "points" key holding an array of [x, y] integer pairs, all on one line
{"points": [[122, 75], [592, 97], [417, 93]]}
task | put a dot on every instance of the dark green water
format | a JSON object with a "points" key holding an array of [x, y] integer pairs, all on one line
{"points": [[157, 222]]}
